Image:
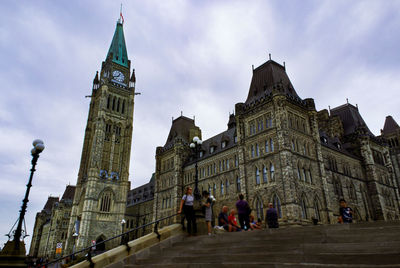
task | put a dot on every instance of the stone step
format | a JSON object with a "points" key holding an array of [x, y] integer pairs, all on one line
{"points": [[256, 265], [370, 247], [265, 257], [353, 245]]}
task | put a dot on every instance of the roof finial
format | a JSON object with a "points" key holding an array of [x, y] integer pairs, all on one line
{"points": [[252, 67], [269, 56], [347, 100], [172, 119], [284, 65], [181, 113], [329, 108], [121, 18]]}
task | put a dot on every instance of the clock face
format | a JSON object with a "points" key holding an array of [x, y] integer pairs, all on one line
{"points": [[117, 75]]}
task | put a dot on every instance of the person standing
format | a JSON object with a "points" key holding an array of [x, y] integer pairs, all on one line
{"points": [[272, 217], [208, 210], [187, 208], [346, 213], [243, 209]]}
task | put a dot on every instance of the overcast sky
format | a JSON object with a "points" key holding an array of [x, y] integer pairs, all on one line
{"points": [[190, 56]]}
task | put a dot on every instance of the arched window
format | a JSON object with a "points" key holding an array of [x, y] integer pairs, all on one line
{"points": [[304, 175], [123, 107], [214, 190], [252, 151], [310, 176], [293, 146], [277, 205], [257, 150], [257, 176], [265, 174], [105, 201], [272, 172], [316, 210], [118, 105], [222, 188], [271, 143], [266, 146], [113, 104], [303, 209], [238, 188], [226, 186], [337, 188], [304, 149], [108, 101], [298, 172], [259, 209], [209, 189]]}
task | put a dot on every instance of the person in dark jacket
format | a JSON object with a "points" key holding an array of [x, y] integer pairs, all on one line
{"points": [[272, 217], [243, 210]]}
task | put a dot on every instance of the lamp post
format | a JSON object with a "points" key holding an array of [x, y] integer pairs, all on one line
{"points": [[123, 221], [196, 145], [14, 251], [38, 147]]}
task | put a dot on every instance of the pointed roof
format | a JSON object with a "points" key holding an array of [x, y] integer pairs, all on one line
{"points": [[49, 204], [180, 129], [351, 118], [69, 193], [390, 125], [265, 77], [118, 47]]}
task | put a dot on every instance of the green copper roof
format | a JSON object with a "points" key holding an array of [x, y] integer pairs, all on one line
{"points": [[118, 47]]}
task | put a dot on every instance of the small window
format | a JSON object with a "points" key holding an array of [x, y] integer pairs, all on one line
{"points": [[257, 176], [201, 154], [238, 188], [212, 149], [223, 144], [235, 139]]}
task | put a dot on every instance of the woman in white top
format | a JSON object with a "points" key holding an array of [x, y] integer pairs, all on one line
{"points": [[187, 207]]}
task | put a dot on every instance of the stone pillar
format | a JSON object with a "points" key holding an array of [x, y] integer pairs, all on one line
{"points": [[320, 160], [372, 178]]}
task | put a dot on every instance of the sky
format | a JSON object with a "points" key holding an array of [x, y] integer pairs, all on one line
{"points": [[193, 57]]}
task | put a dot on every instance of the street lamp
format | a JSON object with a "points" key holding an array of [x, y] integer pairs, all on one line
{"points": [[38, 147], [14, 251], [123, 221], [196, 145]]}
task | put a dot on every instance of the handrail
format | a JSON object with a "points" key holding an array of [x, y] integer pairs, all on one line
{"points": [[89, 249]]}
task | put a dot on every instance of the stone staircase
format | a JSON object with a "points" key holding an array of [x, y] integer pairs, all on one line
{"points": [[353, 245]]}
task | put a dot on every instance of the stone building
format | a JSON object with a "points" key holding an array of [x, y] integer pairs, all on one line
{"points": [[51, 225], [139, 208], [278, 148], [102, 186], [391, 133]]}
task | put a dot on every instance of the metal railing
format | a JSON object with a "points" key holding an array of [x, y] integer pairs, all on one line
{"points": [[124, 241]]}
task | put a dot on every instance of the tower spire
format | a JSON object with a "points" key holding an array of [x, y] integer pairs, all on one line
{"points": [[117, 49]]}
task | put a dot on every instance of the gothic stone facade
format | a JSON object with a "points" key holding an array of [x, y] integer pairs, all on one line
{"points": [[102, 186], [51, 225], [139, 209], [279, 149]]}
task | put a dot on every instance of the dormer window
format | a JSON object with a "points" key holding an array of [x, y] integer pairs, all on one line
{"points": [[201, 154], [212, 149], [223, 144], [338, 145], [324, 140]]}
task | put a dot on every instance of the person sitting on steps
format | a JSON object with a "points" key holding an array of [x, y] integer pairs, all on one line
{"points": [[233, 221], [223, 220]]}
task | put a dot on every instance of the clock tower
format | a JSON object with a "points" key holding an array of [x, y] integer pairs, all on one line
{"points": [[103, 180]]}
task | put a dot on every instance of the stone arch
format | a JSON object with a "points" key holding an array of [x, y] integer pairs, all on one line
{"points": [[304, 207], [100, 245], [106, 200], [258, 205], [317, 209], [276, 202]]}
